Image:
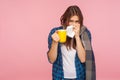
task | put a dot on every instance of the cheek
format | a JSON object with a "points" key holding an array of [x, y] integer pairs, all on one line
{"points": [[70, 23], [78, 24]]}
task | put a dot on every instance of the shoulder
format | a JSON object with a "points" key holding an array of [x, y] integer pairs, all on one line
{"points": [[88, 32], [55, 28]]}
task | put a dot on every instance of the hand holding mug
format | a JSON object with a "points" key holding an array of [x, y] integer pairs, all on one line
{"points": [[55, 36]]}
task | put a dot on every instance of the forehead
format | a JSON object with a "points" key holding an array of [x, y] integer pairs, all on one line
{"points": [[74, 18]]}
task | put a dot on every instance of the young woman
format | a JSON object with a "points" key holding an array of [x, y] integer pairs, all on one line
{"points": [[74, 59]]}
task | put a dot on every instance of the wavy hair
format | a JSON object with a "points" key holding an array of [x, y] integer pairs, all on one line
{"points": [[65, 18]]}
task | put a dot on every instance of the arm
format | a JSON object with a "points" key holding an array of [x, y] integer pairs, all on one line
{"points": [[79, 47], [52, 53], [80, 50]]}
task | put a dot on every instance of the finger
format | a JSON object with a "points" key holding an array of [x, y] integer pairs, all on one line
{"points": [[57, 38], [56, 31]]}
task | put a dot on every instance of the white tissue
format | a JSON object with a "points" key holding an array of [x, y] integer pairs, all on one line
{"points": [[70, 32]]}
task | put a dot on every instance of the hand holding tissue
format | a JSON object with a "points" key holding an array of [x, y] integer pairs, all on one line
{"points": [[70, 32]]}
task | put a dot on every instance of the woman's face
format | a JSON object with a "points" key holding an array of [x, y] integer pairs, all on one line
{"points": [[74, 20]]}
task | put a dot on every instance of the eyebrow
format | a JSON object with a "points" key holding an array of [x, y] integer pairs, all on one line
{"points": [[75, 20]]}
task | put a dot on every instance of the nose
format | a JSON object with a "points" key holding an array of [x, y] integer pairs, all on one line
{"points": [[73, 23]]}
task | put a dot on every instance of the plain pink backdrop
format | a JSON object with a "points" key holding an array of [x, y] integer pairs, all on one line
{"points": [[25, 25]]}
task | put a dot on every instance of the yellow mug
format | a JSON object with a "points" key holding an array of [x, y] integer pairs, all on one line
{"points": [[62, 35]]}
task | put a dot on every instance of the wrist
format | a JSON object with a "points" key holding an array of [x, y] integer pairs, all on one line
{"points": [[77, 37], [54, 42]]}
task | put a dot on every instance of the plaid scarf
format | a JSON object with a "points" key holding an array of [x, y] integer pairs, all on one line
{"points": [[90, 61]]}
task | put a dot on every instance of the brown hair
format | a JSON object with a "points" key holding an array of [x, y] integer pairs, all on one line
{"points": [[65, 18]]}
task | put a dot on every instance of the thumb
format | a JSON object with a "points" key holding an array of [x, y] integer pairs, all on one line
{"points": [[56, 31]]}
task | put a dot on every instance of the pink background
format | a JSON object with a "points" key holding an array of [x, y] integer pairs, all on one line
{"points": [[24, 28]]}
